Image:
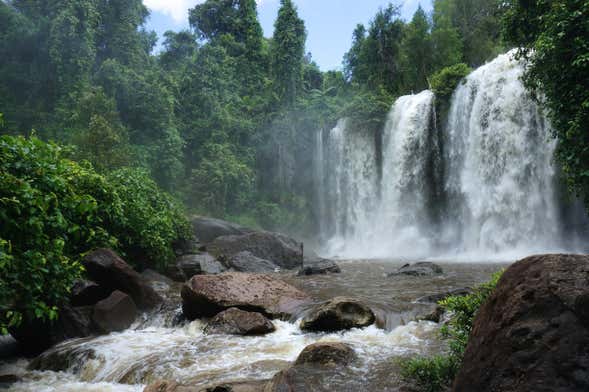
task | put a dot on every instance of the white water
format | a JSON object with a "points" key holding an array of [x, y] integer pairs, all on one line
{"points": [[495, 199]]}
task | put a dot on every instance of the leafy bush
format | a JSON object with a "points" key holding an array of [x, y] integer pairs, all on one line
{"points": [[437, 373], [444, 82], [53, 210]]}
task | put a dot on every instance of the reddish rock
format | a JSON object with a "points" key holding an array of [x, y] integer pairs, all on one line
{"points": [[533, 332], [326, 353], [107, 269], [115, 313], [239, 322], [207, 295]]}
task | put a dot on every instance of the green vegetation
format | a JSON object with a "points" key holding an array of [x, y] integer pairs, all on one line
{"points": [[553, 37], [444, 83], [437, 373], [54, 210]]}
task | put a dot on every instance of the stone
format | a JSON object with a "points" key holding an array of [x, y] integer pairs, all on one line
{"points": [[199, 264], [422, 268], [207, 295], [240, 386], [435, 298], [239, 322], [115, 313], [86, 293], [281, 250], [168, 386], [319, 267], [337, 314], [106, 268], [208, 229], [532, 334], [247, 262], [326, 354]]}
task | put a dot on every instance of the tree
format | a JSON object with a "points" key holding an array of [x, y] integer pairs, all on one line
{"points": [[553, 39], [288, 51], [418, 52]]}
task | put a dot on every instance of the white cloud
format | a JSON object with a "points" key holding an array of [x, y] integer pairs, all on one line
{"points": [[177, 9]]}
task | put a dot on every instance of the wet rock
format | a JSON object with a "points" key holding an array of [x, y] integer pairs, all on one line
{"points": [[435, 298], [115, 313], [6, 380], [168, 386], [239, 322], [338, 314], [319, 267], [199, 264], [285, 381], [423, 268], [533, 332], [36, 336], [62, 358], [207, 295], [434, 316], [281, 250], [241, 386], [326, 354], [208, 229], [247, 262], [86, 292], [107, 269]]}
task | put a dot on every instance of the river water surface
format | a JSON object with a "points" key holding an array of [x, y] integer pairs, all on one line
{"points": [[155, 348]]}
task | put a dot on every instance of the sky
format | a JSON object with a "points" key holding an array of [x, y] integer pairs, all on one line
{"points": [[329, 23]]}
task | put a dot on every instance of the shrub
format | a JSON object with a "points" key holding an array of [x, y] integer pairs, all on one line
{"points": [[437, 373], [444, 82]]}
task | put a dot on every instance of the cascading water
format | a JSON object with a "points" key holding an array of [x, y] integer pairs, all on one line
{"points": [[482, 186]]}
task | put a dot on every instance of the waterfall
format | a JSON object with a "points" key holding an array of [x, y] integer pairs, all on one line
{"points": [[484, 185]]}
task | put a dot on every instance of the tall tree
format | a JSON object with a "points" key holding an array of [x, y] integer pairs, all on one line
{"points": [[288, 52], [417, 52]]}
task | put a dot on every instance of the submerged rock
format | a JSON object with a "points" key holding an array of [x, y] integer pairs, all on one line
{"points": [[239, 322], [326, 353], [281, 250], [207, 295], [247, 262], [107, 269], [208, 229], [423, 268], [115, 313], [337, 314], [533, 332], [319, 267]]}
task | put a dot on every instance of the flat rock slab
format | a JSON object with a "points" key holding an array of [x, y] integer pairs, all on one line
{"points": [[239, 322], [338, 314], [423, 268], [207, 295], [532, 334]]}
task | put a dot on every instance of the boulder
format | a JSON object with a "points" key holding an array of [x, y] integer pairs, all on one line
{"points": [[435, 298], [533, 332], [36, 336], [207, 295], [208, 229], [326, 354], [281, 250], [337, 314], [107, 269], [86, 292], [285, 381], [423, 268], [6, 380], [319, 267], [239, 322], [115, 313], [240, 386], [198, 264], [247, 262], [168, 386]]}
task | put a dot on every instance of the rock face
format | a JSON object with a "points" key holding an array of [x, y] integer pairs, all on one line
{"points": [[247, 262], [85, 293], [115, 313], [423, 268], [107, 269], [239, 322], [207, 295], [533, 332], [319, 267], [208, 229], [338, 314], [279, 249], [326, 354]]}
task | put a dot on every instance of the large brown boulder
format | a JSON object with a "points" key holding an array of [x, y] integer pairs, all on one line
{"points": [[239, 322], [281, 250], [533, 332], [326, 354], [115, 313], [107, 269], [207, 295], [207, 229], [337, 314], [86, 293]]}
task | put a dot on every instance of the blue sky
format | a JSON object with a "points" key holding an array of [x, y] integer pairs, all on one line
{"points": [[330, 23]]}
